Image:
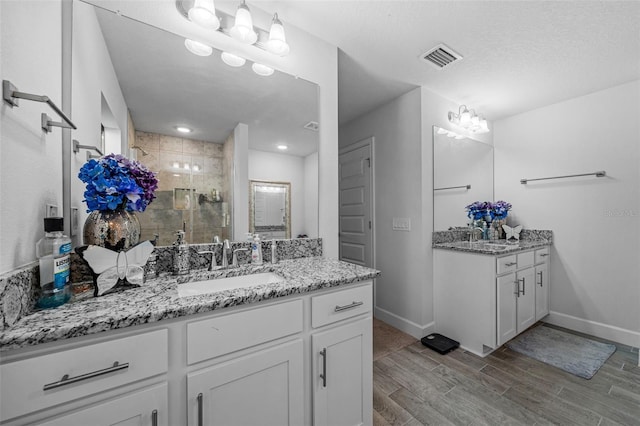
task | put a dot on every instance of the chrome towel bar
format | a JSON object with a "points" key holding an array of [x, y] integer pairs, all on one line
{"points": [[11, 95], [600, 173], [467, 186]]}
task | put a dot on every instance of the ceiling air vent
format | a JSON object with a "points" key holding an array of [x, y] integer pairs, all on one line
{"points": [[312, 125], [441, 56]]}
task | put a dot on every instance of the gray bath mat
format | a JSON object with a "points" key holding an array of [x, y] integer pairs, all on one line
{"points": [[573, 354]]}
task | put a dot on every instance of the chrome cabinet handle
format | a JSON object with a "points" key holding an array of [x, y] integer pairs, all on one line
{"points": [[323, 376], [544, 254], [154, 418], [540, 283], [510, 263], [200, 412], [66, 380], [349, 306], [517, 283], [523, 285]]}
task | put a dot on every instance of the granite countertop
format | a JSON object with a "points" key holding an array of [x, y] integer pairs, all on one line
{"points": [[158, 300], [492, 247]]}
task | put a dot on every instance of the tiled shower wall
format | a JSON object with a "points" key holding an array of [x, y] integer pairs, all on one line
{"points": [[185, 193]]}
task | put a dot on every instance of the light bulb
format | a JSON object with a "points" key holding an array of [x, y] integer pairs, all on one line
{"points": [[475, 122], [242, 29], [282, 147], [203, 13], [465, 118], [262, 70], [232, 60], [484, 126], [277, 43], [198, 48]]}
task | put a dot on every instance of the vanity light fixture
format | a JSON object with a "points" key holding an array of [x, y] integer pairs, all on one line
{"points": [[196, 168], [198, 48], [203, 13], [232, 60], [242, 29], [468, 119], [176, 165], [277, 43], [262, 70], [183, 129]]}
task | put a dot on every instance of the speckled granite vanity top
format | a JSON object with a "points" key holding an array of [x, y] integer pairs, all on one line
{"points": [[492, 247], [158, 300]]}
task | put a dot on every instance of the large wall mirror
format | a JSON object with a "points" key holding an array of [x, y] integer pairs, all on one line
{"points": [[238, 119], [462, 174]]}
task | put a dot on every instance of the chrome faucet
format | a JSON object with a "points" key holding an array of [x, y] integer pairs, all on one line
{"points": [[225, 257], [472, 232], [212, 264], [234, 261]]}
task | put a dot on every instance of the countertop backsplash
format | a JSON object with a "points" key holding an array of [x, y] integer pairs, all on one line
{"points": [[20, 288]]}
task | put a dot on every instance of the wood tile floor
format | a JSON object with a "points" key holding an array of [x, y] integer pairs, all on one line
{"points": [[413, 385]]}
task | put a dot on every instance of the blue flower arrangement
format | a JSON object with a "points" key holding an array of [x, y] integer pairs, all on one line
{"points": [[114, 182], [479, 210]]}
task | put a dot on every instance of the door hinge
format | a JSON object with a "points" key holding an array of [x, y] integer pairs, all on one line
{"points": [[369, 162]]}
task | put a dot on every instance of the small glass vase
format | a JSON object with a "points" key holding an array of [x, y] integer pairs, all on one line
{"points": [[115, 230]]}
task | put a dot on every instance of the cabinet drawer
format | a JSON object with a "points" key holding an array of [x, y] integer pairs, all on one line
{"points": [[542, 255], [224, 334], [332, 307], [90, 369], [525, 259], [506, 264]]}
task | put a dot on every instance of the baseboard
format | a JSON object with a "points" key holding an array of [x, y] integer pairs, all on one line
{"points": [[603, 331], [403, 324]]}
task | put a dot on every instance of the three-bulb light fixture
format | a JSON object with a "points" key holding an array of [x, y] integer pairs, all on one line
{"points": [[469, 120], [203, 13]]}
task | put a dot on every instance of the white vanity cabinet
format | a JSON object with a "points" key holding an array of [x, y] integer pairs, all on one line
{"points": [[254, 364], [542, 282], [483, 300]]}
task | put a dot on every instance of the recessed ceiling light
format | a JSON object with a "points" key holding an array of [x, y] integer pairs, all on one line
{"points": [[262, 70], [198, 48], [283, 147], [232, 60], [183, 129]]}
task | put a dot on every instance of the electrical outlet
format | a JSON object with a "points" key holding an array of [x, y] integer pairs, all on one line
{"points": [[50, 210], [401, 224], [74, 221]]}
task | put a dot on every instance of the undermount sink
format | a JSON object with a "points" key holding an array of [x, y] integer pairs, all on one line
{"points": [[228, 283]]}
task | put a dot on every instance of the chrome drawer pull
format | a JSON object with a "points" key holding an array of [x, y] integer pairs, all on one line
{"points": [[540, 283], [66, 380], [200, 412], [510, 263], [323, 376], [154, 418], [544, 254], [345, 307]]}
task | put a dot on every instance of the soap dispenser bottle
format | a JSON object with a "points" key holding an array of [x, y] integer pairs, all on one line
{"points": [[256, 250], [180, 255]]}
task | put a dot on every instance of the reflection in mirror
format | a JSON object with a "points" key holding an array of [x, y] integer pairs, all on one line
{"points": [[270, 209], [234, 116], [462, 174]]}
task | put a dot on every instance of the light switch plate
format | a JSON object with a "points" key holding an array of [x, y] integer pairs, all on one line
{"points": [[74, 221], [401, 224]]}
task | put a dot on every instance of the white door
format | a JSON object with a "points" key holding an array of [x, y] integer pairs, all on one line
{"points": [[147, 407], [265, 388], [526, 299], [356, 242], [542, 290], [506, 308], [342, 375]]}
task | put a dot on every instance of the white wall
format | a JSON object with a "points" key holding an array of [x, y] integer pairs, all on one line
{"points": [[284, 168], [595, 264], [94, 82], [311, 195], [310, 58], [30, 159], [240, 181]]}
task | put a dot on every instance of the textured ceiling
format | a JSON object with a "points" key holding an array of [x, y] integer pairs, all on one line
{"points": [[518, 55]]}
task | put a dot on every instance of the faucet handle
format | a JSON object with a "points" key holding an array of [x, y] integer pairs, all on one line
{"points": [[234, 261], [213, 263]]}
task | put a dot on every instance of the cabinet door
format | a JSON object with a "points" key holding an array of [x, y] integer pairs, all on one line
{"points": [[507, 319], [542, 290], [342, 375], [526, 300], [147, 407], [264, 388]]}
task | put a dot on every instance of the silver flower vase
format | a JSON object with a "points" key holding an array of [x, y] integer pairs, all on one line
{"points": [[115, 230]]}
